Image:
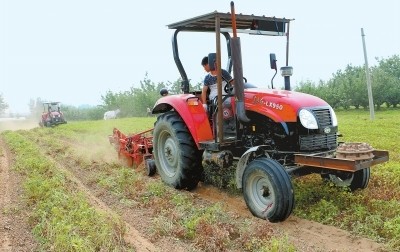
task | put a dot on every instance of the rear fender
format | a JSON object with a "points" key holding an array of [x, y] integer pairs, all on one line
{"points": [[246, 158], [191, 110]]}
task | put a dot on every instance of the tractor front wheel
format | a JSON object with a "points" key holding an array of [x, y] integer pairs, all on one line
{"points": [[268, 190], [177, 158]]}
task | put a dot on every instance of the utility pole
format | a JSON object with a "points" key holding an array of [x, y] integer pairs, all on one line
{"points": [[370, 98]]}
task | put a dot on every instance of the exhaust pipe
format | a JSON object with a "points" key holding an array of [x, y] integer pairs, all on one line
{"points": [[238, 70]]}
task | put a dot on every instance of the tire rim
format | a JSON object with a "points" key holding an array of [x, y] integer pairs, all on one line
{"points": [[169, 157], [343, 180], [261, 192]]}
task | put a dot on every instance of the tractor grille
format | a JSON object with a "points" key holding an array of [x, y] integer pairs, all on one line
{"points": [[319, 141], [323, 117]]}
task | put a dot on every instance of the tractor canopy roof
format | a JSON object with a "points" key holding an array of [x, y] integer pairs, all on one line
{"points": [[257, 25], [221, 23], [51, 103], [51, 106]]}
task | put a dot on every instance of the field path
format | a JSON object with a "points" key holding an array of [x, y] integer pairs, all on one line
{"points": [[308, 235], [15, 232], [5, 244]]}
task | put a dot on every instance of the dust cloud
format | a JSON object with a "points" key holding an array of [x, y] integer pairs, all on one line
{"points": [[17, 124]]}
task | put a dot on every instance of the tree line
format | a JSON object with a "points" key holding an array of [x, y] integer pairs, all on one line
{"points": [[131, 103], [346, 89]]}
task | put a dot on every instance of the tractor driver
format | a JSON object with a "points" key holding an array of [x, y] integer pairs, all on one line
{"points": [[210, 82]]}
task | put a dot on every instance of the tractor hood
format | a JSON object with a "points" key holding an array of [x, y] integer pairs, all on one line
{"points": [[280, 105]]}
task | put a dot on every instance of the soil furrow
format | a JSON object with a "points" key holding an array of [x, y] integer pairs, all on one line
{"points": [[132, 235], [4, 200], [15, 232]]}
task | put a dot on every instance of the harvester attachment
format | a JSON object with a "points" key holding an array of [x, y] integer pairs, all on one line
{"points": [[135, 148]]}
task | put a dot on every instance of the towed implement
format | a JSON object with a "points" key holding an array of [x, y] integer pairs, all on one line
{"points": [[135, 149], [272, 135]]}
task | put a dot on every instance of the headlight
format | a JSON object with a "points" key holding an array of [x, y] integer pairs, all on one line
{"points": [[334, 118], [307, 119]]}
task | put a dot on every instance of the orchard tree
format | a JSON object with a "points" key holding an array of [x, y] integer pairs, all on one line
{"points": [[3, 104], [391, 65], [110, 100], [146, 96], [390, 79], [135, 101], [333, 92], [392, 97], [350, 87], [35, 107], [356, 86], [307, 87], [382, 86]]}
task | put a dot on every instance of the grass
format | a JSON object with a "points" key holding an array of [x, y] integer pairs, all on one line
{"points": [[62, 219], [174, 212], [373, 212]]}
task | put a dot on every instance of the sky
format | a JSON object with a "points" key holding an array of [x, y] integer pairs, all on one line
{"points": [[75, 51]]}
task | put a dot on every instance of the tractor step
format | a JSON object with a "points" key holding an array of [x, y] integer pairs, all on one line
{"points": [[212, 145]]}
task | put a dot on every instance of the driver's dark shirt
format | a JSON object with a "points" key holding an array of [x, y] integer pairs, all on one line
{"points": [[211, 82]]}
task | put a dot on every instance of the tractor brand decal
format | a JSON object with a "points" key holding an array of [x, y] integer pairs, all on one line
{"points": [[227, 113], [257, 100], [327, 130]]}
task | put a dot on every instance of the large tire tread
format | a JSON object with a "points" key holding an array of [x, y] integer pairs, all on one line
{"points": [[188, 174], [360, 179]]}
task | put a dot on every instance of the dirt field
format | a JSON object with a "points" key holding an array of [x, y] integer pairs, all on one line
{"points": [[15, 232]]}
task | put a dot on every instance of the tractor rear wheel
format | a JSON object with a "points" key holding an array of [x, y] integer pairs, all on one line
{"points": [[268, 190], [353, 180], [177, 158]]}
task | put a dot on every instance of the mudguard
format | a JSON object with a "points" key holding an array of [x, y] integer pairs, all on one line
{"points": [[190, 108], [244, 160]]}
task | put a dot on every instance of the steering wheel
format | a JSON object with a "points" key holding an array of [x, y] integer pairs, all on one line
{"points": [[229, 87]]}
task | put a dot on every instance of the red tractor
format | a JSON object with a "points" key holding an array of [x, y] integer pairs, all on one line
{"points": [[51, 115], [273, 135]]}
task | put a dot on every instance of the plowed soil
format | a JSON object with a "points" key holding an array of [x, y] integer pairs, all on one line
{"points": [[16, 234]]}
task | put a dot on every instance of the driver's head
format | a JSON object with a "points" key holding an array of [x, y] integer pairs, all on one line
{"points": [[204, 63]]}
